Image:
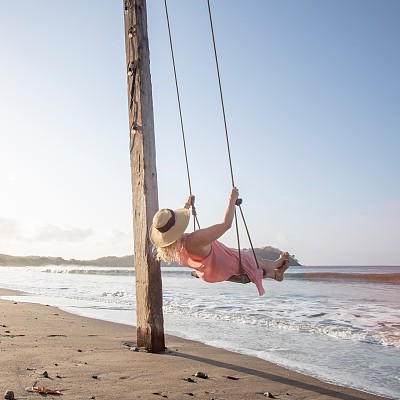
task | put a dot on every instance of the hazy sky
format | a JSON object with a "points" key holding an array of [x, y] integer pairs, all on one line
{"points": [[312, 95]]}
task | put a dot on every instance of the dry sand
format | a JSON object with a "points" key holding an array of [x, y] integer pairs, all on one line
{"points": [[90, 359]]}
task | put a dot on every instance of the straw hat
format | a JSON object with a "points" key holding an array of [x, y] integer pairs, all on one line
{"points": [[168, 226]]}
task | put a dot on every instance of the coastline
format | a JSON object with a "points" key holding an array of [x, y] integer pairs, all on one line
{"points": [[92, 359]]}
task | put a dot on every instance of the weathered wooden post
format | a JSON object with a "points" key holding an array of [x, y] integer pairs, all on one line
{"points": [[149, 315]]}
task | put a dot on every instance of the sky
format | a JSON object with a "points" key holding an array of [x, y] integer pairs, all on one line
{"points": [[312, 99]]}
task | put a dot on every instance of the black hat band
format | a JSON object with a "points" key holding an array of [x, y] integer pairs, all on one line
{"points": [[170, 223]]}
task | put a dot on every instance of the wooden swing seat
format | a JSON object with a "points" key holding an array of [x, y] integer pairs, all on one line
{"points": [[242, 278]]}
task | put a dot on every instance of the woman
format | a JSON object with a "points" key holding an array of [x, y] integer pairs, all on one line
{"points": [[200, 250]]}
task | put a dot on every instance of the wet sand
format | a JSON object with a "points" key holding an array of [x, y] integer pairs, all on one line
{"points": [[90, 359]]}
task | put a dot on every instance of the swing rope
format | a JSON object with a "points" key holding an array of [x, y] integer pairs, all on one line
{"points": [[226, 129], [195, 220], [239, 202]]}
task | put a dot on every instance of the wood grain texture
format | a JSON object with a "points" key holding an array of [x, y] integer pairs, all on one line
{"points": [[150, 322]]}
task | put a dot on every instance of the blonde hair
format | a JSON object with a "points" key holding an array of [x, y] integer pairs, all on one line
{"points": [[169, 253]]}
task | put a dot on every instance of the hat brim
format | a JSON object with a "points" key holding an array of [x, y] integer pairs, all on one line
{"points": [[159, 239]]}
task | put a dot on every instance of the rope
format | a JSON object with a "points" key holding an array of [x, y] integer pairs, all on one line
{"points": [[220, 92], [195, 220], [228, 146]]}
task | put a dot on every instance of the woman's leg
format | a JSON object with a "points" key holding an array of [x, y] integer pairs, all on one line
{"points": [[274, 269]]}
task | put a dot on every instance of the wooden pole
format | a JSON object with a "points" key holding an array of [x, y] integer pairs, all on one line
{"points": [[149, 315]]}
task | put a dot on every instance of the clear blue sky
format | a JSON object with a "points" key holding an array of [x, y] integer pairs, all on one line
{"points": [[312, 95]]}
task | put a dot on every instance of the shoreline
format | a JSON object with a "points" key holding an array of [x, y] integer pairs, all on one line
{"points": [[92, 359]]}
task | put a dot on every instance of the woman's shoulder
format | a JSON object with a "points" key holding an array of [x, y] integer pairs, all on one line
{"points": [[187, 239], [184, 238], [193, 247]]}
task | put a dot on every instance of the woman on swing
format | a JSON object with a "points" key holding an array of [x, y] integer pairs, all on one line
{"points": [[200, 250]]}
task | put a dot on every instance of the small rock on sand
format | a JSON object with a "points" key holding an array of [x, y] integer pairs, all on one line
{"points": [[9, 395], [201, 375], [269, 395]]}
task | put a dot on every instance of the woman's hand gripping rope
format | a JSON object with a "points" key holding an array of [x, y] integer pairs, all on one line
{"points": [[190, 203]]}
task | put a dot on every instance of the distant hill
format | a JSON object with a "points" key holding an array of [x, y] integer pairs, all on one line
{"points": [[110, 261], [18, 261]]}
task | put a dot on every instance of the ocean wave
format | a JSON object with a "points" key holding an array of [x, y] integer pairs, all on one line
{"points": [[334, 330], [92, 270], [88, 271], [393, 278]]}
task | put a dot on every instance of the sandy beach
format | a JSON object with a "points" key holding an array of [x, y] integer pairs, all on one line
{"points": [[85, 358]]}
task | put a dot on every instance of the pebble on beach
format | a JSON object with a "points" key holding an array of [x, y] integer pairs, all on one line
{"points": [[269, 395], [9, 395], [234, 378], [201, 375]]}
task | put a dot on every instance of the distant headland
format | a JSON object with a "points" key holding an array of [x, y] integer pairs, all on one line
{"points": [[267, 252]]}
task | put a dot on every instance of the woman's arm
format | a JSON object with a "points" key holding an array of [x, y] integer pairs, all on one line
{"points": [[198, 241]]}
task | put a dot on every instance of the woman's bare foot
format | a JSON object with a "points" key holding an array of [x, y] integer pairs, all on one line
{"points": [[284, 265], [275, 269]]}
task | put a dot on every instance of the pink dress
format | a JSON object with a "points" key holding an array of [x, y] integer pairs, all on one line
{"points": [[221, 263]]}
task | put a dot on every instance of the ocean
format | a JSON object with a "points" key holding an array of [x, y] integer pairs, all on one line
{"points": [[339, 324]]}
